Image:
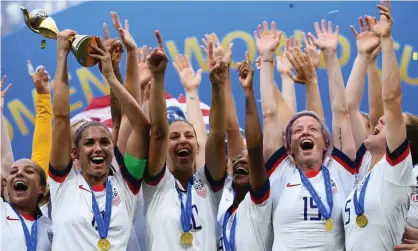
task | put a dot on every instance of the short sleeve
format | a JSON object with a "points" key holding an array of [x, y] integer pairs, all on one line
{"points": [[399, 167]]}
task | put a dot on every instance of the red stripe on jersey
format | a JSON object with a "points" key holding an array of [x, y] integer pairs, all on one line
{"points": [[344, 164], [215, 185], [262, 195], [399, 154], [312, 173], [59, 175], [280, 155], [28, 216], [153, 181]]}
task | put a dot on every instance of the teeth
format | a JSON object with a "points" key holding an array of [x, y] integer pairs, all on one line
{"points": [[376, 130], [97, 158], [20, 183], [306, 141], [183, 151], [241, 169]]}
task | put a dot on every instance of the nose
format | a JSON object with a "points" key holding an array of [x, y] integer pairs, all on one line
{"points": [[98, 147], [182, 139]]}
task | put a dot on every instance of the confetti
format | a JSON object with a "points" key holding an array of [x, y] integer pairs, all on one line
{"points": [[43, 44], [333, 11]]}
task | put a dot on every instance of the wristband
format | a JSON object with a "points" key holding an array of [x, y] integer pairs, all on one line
{"points": [[136, 167]]}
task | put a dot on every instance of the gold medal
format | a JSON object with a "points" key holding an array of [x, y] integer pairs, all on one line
{"points": [[329, 225], [186, 238], [103, 244], [362, 220]]}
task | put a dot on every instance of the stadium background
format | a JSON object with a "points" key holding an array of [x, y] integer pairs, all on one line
{"points": [[182, 25]]}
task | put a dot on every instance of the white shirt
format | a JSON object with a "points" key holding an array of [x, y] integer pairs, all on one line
{"points": [[297, 222], [386, 203], [137, 238], [412, 218], [12, 235], [227, 198], [163, 209], [253, 229], [72, 214]]}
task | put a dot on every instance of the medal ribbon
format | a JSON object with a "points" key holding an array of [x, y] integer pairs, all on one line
{"points": [[229, 242], [186, 212], [32, 237], [103, 223], [315, 196], [359, 205]]}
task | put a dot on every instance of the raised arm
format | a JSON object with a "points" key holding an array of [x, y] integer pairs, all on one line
{"points": [[374, 91], [391, 81], [341, 128], [253, 133], [6, 146], [138, 142], [267, 42], [367, 42], [157, 63], [42, 134], [215, 154], [233, 132], [61, 132], [191, 81]]}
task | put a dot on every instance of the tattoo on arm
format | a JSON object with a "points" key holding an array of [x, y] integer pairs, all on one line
{"points": [[340, 138]]}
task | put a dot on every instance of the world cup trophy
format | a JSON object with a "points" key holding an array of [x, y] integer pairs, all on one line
{"points": [[39, 22]]}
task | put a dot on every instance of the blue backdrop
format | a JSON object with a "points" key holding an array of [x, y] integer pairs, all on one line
{"points": [[182, 25]]}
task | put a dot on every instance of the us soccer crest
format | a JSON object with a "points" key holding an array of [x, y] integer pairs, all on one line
{"points": [[334, 188], [115, 197], [50, 235], [414, 197], [200, 188]]}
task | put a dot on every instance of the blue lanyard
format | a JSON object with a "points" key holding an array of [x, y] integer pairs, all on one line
{"points": [[315, 196], [31, 238], [186, 212], [359, 205], [103, 223], [229, 242]]}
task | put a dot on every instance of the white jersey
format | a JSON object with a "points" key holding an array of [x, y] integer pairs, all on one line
{"points": [[386, 203], [253, 229], [227, 197], [412, 218], [297, 221], [163, 210], [12, 235], [72, 212], [137, 238]]}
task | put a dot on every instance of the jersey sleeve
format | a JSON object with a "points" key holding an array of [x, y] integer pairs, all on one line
{"points": [[275, 161], [128, 184], [261, 204], [57, 179], [216, 187], [345, 169], [399, 167]]}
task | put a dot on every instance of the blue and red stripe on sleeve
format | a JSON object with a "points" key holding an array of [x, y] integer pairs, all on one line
{"points": [[155, 180], [216, 185], [59, 175], [262, 195], [133, 184], [344, 160], [399, 154], [275, 160]]}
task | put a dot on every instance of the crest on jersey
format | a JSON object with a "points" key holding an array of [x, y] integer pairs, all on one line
{"points": [[334, 188], [115, 197], [50, 235], [200, 188], [414, 197]]}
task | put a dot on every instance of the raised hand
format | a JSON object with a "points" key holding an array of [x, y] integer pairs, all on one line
{"points": [[157, 60], [367, 41], [144, 73], [267, 40], [383, 28], [101, 53], [63, 40], [218, 49], [311, 50], [124, 33], [246, 73], [283, 64], [114, 46], [218, 70], [327, 39], [3, 91], [40, 78], [306, 72], [188, 77]]}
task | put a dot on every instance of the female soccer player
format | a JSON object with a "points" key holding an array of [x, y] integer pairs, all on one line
{"points": [[93, 207], [246, 225], [375, 212], [181, 203]]}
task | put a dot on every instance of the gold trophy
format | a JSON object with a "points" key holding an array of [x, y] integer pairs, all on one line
{"points": [[39, 22]]}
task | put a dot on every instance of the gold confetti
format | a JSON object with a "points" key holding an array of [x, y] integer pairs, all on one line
{"points": [[415, 56]]}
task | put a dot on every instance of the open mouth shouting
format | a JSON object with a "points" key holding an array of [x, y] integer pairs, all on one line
{"points": [[240, 169], [183, 153], [306, 145], [97, 161], [376, 130], [20, 186]]}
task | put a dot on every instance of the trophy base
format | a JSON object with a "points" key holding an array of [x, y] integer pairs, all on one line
{"points": [[81, 49]]}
